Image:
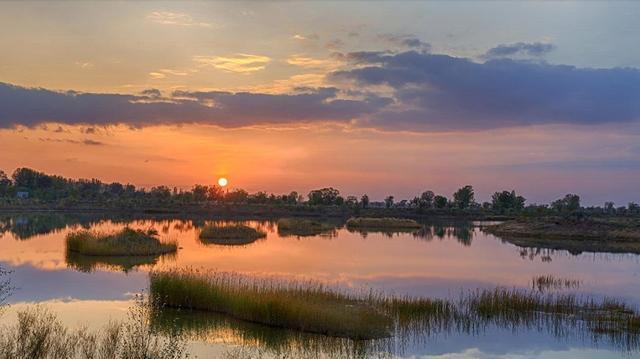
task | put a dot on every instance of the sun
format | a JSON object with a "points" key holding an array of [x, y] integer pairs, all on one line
{"points": [[222, 182]]}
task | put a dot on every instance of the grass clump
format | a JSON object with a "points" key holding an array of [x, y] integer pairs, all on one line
{"points": [[236, 234], [303, 227], [126, 242], [382, 223], [39, 334], [305, 307]]}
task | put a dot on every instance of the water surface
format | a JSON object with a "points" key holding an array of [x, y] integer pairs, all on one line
{"points": [[441, 260]]}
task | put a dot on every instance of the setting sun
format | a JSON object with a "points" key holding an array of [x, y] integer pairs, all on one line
{"points": [[222, 182]]}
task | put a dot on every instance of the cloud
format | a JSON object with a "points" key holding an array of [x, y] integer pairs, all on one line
{"points": [[312, 63], [408, 41], [175, 18], [435, 92], [535, 49], [305, 37], [411, 90], [33, 106], [87, 142], [238, 63]]}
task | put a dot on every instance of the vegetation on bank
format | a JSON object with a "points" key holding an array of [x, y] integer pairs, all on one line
{"points": [[315, 308], [303, 227], [126, 242], [382, 223], [39, 334], [233, 234], [28, 188], [575, 233]]}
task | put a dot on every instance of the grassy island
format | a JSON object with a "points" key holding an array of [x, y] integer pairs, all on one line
{"points": [[315, 308], [593, 234], [236, 234], [303, 227], [308, 308], [126, 242], [384, 223]]}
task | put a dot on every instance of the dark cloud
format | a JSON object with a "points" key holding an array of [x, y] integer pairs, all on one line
{"points": [[535, 49], [444, 92], [87, 142], [408, 41], [34, 106]]}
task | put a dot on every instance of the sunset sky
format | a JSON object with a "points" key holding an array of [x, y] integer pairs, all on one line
{"points": [[379, 98]]}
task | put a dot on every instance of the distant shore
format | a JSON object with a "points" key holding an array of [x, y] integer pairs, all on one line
{"points": [[262, 211], [602, 234]]}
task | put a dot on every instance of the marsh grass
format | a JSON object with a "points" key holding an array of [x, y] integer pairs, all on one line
{"points": [[233, 234], [303, 227], [317, 308], [126, 242], [385, 223], [308, 307], [39, 334]]}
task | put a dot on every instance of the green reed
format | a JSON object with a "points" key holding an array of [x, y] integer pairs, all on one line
{"points": [[126, 242]]}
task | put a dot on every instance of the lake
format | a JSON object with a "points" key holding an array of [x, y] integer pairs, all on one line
{"points": [[442, 260]]}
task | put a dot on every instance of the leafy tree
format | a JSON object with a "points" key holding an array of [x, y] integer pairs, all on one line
{"points": [[570, 202], [199, 193], [440, 201], [505, 200], [609, 207], [215, 193], [161, 193], [351, 201], [237, 196], [426, 199], [5, 184], [325, 196], [364, 201], [463, 197], [633, 207], [388, 202]]}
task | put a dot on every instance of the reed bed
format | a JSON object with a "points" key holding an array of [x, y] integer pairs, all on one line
{"points": [[303, 227], [316, 308], [39, 334], [382, 223], [235, 234], [126, 242], [307, 307]]}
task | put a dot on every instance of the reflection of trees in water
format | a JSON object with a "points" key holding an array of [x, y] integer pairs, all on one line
{"points": [[532, 253], [84, 263], [26, 226], [462, 231]]}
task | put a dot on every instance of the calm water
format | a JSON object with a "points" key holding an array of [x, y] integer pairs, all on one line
{"points": [[442, 260]]}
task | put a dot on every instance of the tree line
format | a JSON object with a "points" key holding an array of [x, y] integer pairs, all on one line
{"points": [[26, 184]]}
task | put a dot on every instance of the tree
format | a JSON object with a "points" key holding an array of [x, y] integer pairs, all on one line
{"points": [[505, 200], [440, 201], [426, 199], [633, 207], [237, 196], [199, 193], [570, 202], [364, 200], [325, 196], [609, 207], [463, 197], [5, 184], [351, 201], [388, 202]]}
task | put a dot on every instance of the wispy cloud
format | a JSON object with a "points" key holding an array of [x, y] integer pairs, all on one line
{"points": [[176, 18], [305, 37], [239, 63], [310, 62]]}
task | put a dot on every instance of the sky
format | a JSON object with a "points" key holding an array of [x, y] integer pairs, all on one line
{"points": [[383, 98]]}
